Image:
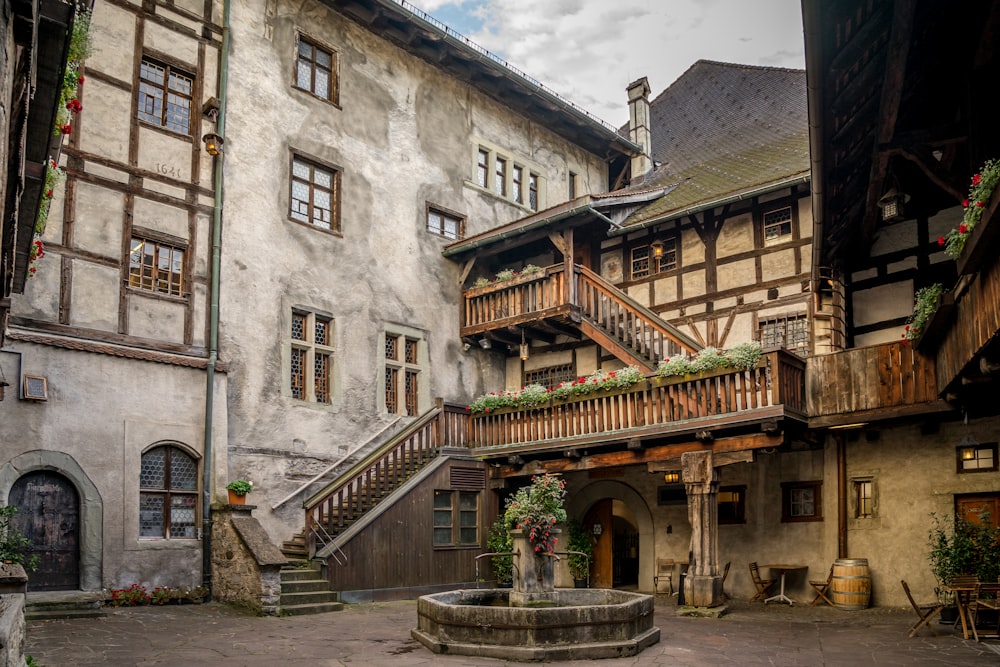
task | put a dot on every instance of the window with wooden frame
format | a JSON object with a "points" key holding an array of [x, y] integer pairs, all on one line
{"points": [[164, 96], [445, 224], [788, 331], [456, 518], [533, 191], [482, 167], [156, 266], [977, 458], [316, 70], [777, 225], [404, 366], [516, 182], [168, 494], [732, 504], [801, 501], [315, 194], [863, 497], [643, 262], [550, 376], [311, 359], [500, 176], [572, 185]]}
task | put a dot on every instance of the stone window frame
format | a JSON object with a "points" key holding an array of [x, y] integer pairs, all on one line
{"points": [[144, 85], [334, 191], [403, 379], [490, 163], [858, 497], [964, 465], [309, 352], [440, 229], [572, 184], [134, 278], [739, 514], [460, 535], [169, 492], [333, 88], [790, 498]]}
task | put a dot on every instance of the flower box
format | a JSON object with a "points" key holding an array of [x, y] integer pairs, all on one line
{"points": [[938, 323], [505, 284], [981, 245]]}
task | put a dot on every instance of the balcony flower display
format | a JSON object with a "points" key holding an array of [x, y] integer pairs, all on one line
{"points": [[925, 303], [980, 191], [536, 509], [599, 380], [506, 275], [741, 357]]}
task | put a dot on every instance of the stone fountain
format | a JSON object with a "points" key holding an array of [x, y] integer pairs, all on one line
{"points": [[534, 621]]}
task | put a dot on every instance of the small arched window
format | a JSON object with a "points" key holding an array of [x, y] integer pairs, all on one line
{"points": [[168, 494]]}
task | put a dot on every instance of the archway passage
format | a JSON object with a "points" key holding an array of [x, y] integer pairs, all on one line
{"points": [[49, 516]]}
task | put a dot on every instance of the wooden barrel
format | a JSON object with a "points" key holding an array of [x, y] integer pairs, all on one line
{"points": [[851, 586]]}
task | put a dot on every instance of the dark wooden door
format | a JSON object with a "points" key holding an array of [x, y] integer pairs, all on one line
{"points": [[979, 509], [49, 515], [601, 513]]}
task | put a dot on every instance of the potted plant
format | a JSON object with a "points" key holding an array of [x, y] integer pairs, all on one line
{"points": [[238, 491], [957, 547], [581, 552], [500, 542]]}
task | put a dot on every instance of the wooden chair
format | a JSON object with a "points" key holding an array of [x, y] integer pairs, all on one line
{"points": [[664, 570], [966, 589], [821, 588], [925, 612], [760, 584], [987, 598]]}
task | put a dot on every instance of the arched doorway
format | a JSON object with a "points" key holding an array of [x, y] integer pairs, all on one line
{"points": [[49, 516], [624, 550]]}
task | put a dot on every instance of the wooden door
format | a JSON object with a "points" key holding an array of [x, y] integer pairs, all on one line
{"points": [[979, 509], [601, 513], [49, 515]]}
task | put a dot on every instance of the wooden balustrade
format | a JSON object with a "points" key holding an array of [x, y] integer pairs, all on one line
{"points": [[655, 403], [519, 300]]}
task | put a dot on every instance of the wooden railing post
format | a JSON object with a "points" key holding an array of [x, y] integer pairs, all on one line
{"points": [[439, 423]]}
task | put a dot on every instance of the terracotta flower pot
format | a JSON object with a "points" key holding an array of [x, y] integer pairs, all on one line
{"points": [[236, 499]]}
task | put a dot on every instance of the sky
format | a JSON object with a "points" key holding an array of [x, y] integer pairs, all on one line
{"points": [[588, 51]]}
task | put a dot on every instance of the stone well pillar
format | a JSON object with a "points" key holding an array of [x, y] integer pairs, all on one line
{"points": [[703, 583], [534, 575]]}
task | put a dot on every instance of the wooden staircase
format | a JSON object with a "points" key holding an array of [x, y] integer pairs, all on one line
{"points": [[304, 590]]}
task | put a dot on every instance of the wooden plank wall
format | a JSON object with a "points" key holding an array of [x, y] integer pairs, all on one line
{"points": [[975, 321]]}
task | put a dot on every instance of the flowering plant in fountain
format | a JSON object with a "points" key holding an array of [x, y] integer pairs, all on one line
{"points": [[982, 188], [536, 509]]}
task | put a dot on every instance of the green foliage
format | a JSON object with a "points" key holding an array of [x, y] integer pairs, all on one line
{"points": [[14, 546], [742, 357], [240, 487], [581, 541], [505, 275], [956, 546], [499, 541], [31, 662], [980, 191], [925, 303], [709, 359], [536, 509], [745, 355], [597, 381]]}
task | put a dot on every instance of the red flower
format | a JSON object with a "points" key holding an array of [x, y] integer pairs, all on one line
{"points": [[965, 203], [48, 193], [941, 241], [907, 327], [977, 179], [487, 410], [66, 129], [962, 229], [980, 204], [80, 80], [906, 342]]}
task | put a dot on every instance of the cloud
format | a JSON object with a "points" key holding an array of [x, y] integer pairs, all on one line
{"points": [[588, 51]]}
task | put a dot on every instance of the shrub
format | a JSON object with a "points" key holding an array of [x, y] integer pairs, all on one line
{"points": [[14, 546]]}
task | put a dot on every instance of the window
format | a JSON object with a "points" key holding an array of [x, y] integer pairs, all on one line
{"points": [[445, 224], [777, 224], [788, 331], [533, 192], [482, 167], [156, 267], [572, 185], [977, 458], [642, 260], [316, 70], [168, 494], [550, 376], [801, 501], [456, 518], [732, 504], [517, 177], [500, 183], [165, 96], [315, 194], [403, 368], [311, 361], [864, 498]]}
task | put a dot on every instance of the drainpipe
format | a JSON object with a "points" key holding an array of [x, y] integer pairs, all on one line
{"points": [[841, 495], [213, 328]]}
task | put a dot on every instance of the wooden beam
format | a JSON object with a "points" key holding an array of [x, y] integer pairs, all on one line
{"points": [[718, 460], [642, 457], [559, 242], [466, 270]]}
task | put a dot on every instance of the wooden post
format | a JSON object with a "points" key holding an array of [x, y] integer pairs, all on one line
{"points": [[703, 584]]}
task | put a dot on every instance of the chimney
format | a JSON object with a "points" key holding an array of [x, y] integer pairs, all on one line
{"points": [[638, 127]]}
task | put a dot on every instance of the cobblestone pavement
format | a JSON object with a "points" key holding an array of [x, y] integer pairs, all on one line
{"points": [[379, 634]]}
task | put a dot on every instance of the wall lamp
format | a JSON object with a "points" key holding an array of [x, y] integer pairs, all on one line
{"points": [[213, 143], [672, 477], [656, 247], [485, 343], [597, 529], [524, 347]]}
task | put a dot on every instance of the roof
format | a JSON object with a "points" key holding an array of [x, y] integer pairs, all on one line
{"points": [[722, 130]]}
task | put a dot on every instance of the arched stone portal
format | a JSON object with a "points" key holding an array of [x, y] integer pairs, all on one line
{"points": [[599, 490]]}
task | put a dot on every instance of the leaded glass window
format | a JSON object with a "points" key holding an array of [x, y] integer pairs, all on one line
{"points": [[164, 96], [314, 194], [168, 494], [316, 70], [311, 358]]}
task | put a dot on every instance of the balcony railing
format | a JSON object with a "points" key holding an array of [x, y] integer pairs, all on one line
{"points": [[522, 299], [655, 406]]}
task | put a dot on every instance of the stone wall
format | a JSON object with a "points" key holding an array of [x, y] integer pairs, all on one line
{"points": [[246, 567], [13, 581]]}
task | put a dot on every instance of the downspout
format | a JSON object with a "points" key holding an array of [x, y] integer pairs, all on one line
{"points": [[841, 495], [213, 327]]}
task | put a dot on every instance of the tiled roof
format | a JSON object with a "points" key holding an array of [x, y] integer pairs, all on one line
{"points": [[113, 350], [722, 129]]}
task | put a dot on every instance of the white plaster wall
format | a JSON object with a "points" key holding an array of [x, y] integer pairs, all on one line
{"points": [[733, 275], [736, 236]]}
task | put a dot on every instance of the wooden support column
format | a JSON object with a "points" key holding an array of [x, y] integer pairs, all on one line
{"points": [[703, 584]]}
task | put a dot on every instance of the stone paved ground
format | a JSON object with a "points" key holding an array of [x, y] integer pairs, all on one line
{"points": [[379, 635]]}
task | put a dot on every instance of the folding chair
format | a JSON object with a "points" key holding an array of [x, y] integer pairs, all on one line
{"points": [[664, 570], [821, 588], [760, 584], [725, 573], [966, 589], [988, 598], [925, 612]]}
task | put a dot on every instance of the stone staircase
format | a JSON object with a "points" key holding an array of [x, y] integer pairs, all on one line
{"points": [[47, 605], [303, 588]]}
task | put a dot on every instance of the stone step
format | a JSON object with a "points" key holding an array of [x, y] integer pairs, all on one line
{"points": [[48, 614], [303, 609], [307, 598], [305, 586]]}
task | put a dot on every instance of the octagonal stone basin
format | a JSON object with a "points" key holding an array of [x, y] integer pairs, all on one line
{"points": [[572, 624]]}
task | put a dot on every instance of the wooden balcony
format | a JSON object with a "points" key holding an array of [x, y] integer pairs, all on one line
{"points": [[869, 384], [654, 409]]}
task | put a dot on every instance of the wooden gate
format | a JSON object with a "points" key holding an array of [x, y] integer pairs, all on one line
{"points": [[49, 515]]}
